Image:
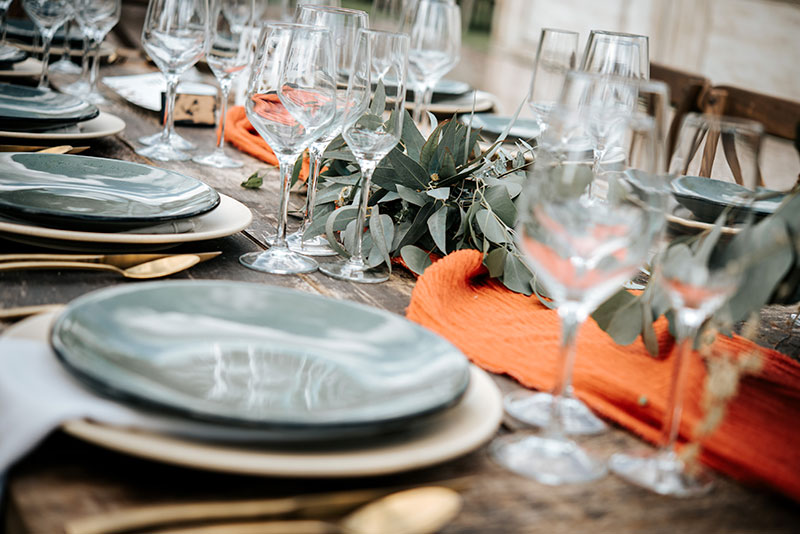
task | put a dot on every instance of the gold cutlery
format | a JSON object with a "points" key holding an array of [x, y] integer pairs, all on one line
{"points": [[25, 311], [62, 149], [27, 148], [143, 271], [117, 260], [414, 511]]}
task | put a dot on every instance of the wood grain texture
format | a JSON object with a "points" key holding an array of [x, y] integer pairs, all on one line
{"points": [[66, 479]]}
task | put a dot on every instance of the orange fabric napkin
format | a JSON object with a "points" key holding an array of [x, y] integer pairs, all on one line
{"points": [[241, 134], [504, 332]]}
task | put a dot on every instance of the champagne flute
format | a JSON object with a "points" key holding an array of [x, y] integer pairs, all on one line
{"points": [[435, 48], [556, 55], [175, 35], [371, 132], [65, 64], [291, 102], [344, 25], [698, 283], [582, 244], [47, 15], [227, 56], [620, 54], [95, 18]]}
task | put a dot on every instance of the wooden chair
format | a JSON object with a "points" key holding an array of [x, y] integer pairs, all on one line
{"points": [[686, 90]]}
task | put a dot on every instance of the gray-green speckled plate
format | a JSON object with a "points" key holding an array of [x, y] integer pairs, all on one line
{"points": [[27, 108], [304, 366], [706, 198], [81, 192]]}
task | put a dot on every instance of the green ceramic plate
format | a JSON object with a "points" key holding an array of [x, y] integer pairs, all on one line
{"points": [[706, 198], [27, 108], [259, 356], [495, 124], [81, 192]]}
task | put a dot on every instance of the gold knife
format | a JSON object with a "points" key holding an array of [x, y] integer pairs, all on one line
{"points": [[123, 261]]}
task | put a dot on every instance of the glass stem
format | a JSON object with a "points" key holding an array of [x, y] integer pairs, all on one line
{"points": [[315, 161], [224, 91], [95, 64], [65, 52], [286, 166], [47, 40], [85, 59], [672, 418], [3, 14], [418, 103], [367, 168], [172, 88], [572, 316]]}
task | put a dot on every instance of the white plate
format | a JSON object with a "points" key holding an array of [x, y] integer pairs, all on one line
{"points": [[227, 219], [144, 90], [101, 126], [29, 68], [444, 437]]}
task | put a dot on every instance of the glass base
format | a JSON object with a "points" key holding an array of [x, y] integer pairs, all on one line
{"points": [[218, 159], [278, 260], [354, 272], [164, 152], [551, 461], [316, 246], [77, 88], [175, 141], [535, 409], [662, 473], [65, 66]]}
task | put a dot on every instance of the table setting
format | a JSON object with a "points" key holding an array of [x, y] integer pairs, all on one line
{"points": [[379, 307]]}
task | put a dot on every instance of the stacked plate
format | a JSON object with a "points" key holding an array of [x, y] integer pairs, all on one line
{"points": [[263, 380], [97, 204]]}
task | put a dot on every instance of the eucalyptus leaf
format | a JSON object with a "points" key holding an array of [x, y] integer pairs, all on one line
{"points": [[254, 181], [378, 104], [516, 275], [317, 226], [439, 193], [500, 202], [491, 227], [415, 258], [437, 226], [411, 138], [382, 230], [448, 167], [406, 166], [410, 195], [420, 225], [495, 262], [626, 323], [338, 221], [429, 148]]}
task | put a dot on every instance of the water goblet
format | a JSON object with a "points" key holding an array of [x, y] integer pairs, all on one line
{"points": [[95, 18], [291, 102], [556, 55], [698, 282], [620, 54], [175, 35], [371, 130], [227, 55], [435, 48], [344, 25], [47, 16], [65, 64]]}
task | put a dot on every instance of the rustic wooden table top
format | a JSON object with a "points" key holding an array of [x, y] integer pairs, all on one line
{"points": [[65, 478]]}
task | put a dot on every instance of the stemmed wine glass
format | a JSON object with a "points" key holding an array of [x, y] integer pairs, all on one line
{"points": [[582, 244], [95, 18], [435, 48], [6, 51], [698, 282], [47, 15], [65, 64], [291, 101], [371, 130], [556, 55], [175, 35], [344, 25], [620, 54], [227, 55]]}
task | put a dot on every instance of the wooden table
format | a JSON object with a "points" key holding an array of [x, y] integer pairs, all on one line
{"points": [[65, 478]]}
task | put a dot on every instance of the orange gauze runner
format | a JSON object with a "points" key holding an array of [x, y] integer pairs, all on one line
{"points": [[758, 441], [241, 134]]}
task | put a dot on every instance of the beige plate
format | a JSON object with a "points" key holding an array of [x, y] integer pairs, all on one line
{"points": [[55, 51], [449, 435], [100, 126], [29, 68], [226, 219], [685, 225], [461, 104]]}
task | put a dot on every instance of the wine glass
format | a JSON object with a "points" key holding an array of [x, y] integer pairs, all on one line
{"points": [[47, 15], [65, 64], [175, 35], [620, 54], [227, 55], [344, 25], [291, 102], [556, 55], [95, 18], [391, 15], [435, 48], [6, 51], [582, 243], [698, 281], [371, 130]]}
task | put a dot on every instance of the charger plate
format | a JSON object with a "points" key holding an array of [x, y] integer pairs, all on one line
{"points": [[103, 125], [446, 436], [26, 108], [226, 219]]}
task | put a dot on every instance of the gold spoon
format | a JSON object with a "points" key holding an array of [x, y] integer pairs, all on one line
{"points": [[143, 271], [415, 511]]}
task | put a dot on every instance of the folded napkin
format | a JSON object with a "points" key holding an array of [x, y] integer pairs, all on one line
{"points": [[241, 134], [37, 394], [757, 442]]}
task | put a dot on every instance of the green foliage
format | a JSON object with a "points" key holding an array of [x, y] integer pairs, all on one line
{"points": [[254, 181]]}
